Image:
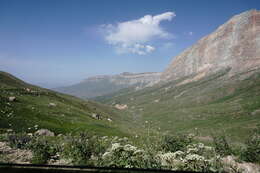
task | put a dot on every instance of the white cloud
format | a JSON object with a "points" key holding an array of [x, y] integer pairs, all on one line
{"points": [[133, 36], [149, 48], [190, 33]]}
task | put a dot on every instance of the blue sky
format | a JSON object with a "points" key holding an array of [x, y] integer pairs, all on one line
{"points": [[60, 42]]}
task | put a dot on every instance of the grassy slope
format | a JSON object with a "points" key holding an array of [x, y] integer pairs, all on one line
{"points": [[210, 105], [71, 114], [88, 89]]}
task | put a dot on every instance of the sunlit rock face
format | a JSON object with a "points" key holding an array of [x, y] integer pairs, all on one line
{"points": [[235, 45]]}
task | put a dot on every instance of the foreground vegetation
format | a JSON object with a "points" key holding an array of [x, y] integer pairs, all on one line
{"points": [[175, 152]]}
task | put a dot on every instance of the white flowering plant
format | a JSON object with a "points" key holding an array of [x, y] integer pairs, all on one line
{"points": [[128, 156], [195, 157]]}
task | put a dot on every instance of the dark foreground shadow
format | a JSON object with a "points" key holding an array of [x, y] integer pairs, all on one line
{"points": [[31, 168]]}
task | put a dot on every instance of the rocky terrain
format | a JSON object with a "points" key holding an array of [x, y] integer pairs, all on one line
{"points": [[107, 84], [235, 45]]}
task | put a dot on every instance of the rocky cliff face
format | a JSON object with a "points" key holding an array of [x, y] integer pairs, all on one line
{"points": [[235, 45], [106, 84]]}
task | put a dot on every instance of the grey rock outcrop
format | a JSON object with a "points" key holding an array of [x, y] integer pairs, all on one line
{"points": [[11, 99], [44, 132], [52, 104]]}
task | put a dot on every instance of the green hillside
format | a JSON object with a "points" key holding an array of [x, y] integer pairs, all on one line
{"points": [[88, 89], [35, 108], [214, 104]]}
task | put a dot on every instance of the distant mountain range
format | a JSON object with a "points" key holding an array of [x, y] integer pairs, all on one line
{"points": [[107, 84]]}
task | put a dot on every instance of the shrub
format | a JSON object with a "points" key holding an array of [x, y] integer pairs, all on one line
{"points": [[128, 156], [195, 157], [221, 145], [42, 150], [176, 142], [79, 149], [3, 137], [252, 151], [100, 145], [20, 140]]}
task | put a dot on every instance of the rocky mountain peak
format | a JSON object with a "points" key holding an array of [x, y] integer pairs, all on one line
{"points": [[235, 45]]}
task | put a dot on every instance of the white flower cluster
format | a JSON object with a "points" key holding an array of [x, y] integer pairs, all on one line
{"points": [[123, 155], [195, 158], [130, 148], [199, 148], [106, 155], [170, 159], [123, 148], [115, 146]]}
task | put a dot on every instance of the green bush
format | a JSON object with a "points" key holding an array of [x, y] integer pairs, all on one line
{"points": [[252, 150], [79, 149], [3, 137], [128, 156], [175, 143], [42, 150], [195, 157], [99, 145], [221, 145]]}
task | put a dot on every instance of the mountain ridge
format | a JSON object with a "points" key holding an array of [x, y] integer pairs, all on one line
{"points": [[106, 84], [233, 44]]}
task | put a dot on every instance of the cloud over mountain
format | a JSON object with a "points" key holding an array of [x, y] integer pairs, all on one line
{"points": [[134, 36]]}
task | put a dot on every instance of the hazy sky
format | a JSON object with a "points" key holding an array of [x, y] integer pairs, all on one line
{"points": [[59, 42]]}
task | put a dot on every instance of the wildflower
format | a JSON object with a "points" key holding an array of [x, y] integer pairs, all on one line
{"points": [[194, 157], [129, 147], [106, 155], [115, 146]]}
